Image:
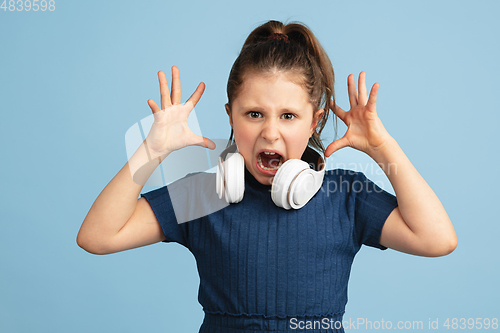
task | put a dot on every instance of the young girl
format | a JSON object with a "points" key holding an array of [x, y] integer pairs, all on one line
{"points": [[264, 268]]}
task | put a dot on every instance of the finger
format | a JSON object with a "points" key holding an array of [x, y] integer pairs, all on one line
{"points": [[339, 112], [362, 88], [195, 97], [351, 88], [154, 107], [164, 93], [336, 145], [176, 86], [372, 101]]}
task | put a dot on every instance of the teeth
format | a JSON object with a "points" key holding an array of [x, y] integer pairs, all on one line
{"points": [[259, 160], [269, 153]]}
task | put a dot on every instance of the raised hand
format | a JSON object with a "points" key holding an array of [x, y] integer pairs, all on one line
{"points": [[365, 131], [170, 130]]}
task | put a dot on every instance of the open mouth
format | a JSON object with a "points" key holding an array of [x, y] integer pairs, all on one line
{"points": [[269, 161]]}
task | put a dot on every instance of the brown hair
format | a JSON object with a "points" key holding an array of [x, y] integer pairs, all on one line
{"points": [[266, 50]]}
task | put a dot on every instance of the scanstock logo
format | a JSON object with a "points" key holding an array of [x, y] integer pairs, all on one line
{"points": [[188, 173]]}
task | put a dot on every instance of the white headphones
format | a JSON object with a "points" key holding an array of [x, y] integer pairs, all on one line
{"points": [[294, 184]]}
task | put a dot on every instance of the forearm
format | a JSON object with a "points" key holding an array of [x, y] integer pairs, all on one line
{"points": [[116, 203], [418, 204]]}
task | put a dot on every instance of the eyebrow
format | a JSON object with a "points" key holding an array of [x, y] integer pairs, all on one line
{"points": [[261, 109]]}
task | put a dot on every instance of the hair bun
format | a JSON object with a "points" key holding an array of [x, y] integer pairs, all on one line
{"points": [[279, 36]]}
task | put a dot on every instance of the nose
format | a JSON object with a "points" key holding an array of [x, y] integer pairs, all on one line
{"points": [[271, 131]]}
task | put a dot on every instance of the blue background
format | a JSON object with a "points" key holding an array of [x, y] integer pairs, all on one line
{"points": [[73, 81]]}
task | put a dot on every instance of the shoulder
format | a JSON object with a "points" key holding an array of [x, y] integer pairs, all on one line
{"points": [[344, 177], [341, 172], [338, 185], [187, 198], [353, 184], [192, 182]]}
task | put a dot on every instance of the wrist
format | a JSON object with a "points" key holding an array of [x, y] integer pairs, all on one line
{"points": [[382, 153], [153, 154]]}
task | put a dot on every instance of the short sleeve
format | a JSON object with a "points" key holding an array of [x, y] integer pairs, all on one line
{"points": [[160, 203], [372, 207]]}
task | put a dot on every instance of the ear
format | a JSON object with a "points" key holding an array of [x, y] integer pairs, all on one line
{"points": [[228, 111], [317, 116]]}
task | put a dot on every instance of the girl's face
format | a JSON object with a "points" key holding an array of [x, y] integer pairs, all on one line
{"points": [[272, 120]]}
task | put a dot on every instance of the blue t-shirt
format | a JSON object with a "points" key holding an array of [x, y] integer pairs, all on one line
{"points": [[261, 265]]}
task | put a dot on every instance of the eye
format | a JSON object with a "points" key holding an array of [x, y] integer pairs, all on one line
{"points": [[254, 114], [288, 116]]}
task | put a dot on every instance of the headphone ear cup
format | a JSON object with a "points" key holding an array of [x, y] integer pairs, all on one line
{"points": [[283, 180], [234, 178], [219, 178]]}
